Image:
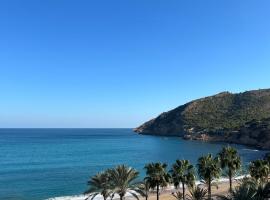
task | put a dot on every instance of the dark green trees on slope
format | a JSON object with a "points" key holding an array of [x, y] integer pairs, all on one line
{"points": [[221, 111]]}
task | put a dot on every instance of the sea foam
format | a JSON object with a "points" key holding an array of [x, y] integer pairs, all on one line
{"points": [[83, 197]]}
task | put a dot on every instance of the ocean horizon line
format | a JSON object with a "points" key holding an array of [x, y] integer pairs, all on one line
{"points": [[65, 128]]}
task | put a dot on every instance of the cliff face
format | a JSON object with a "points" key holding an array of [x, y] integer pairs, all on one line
{"points": [[222, 117], [255, 133]]}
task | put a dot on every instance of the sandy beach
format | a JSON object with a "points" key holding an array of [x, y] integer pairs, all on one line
{"points": [[223, 188], [166, 193]]}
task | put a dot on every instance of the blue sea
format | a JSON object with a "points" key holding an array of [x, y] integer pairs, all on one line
{"points": [[37, 164]]}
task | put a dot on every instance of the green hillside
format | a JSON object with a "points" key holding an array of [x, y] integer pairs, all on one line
{"points": [[223, 113]]}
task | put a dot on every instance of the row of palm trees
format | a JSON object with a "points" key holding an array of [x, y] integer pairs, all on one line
{"points": [[121, 179]]}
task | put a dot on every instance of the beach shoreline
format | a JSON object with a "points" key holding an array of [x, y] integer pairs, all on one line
{"points": [[166, 193]]}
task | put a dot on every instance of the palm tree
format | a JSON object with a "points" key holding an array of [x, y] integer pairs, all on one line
{"points": [[240, 193], [259, 169], [122, 180], [208, 170], [177, 195], [244, 191], [143, 189], [157, 176], [99, 184], [249, 190], [263, 191], [183, 172], [231, 161], [197, 193]]}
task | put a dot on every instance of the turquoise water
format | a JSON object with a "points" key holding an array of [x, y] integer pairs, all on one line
{"points": [[41, 163]]}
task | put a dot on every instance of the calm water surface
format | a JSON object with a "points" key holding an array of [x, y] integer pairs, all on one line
{"points": [[37, 164]]}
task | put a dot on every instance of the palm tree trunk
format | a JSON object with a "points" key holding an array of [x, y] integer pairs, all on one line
{"points": [[183, 188], [157, 191], [121, 197], [209, 189], [230, 178]]}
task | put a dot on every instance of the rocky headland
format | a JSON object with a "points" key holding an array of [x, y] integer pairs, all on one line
{"points": [[242, 118]]}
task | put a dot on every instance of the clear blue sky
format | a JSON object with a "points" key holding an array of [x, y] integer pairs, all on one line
{"points": [[118, 63]]}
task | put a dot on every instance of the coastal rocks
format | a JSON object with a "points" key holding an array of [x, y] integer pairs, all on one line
{"points": [[254, 133]]}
